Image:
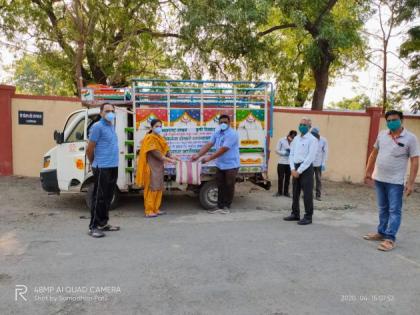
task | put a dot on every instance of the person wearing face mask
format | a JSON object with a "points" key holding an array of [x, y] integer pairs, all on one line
{"points": [[154, 152], [387, 166], [227, 158], [102, 153], [283, 167], [320, 161], [302, 155]]}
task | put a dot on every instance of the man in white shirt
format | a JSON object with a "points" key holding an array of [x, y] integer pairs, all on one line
{"points": [[320, 161], [283, 167], [302, 155]]}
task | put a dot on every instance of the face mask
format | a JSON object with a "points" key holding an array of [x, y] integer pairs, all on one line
{"points": [[157, 130], [223, 126], [303, 129], [110, 117], [394, 125]]}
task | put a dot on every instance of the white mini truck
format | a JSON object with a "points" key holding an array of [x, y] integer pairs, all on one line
{"points": [[189, 110]]}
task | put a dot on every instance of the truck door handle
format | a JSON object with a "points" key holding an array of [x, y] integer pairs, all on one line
{"points": [[82, 149]]}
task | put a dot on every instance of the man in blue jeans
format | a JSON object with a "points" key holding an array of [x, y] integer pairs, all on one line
{"points": [[387, 165]]}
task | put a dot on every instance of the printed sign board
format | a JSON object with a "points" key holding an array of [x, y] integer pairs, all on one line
{"points": [[31, 118]]}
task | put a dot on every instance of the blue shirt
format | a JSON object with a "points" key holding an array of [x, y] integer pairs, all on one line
{"points": [[228, 139], [106, 149]]}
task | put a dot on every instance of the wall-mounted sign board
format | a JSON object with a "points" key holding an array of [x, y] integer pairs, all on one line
{"points": [[31, 118]]}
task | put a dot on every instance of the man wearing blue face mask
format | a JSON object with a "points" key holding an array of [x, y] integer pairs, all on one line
{"points": [[102, 152], [303, 151], [227, 159], [387, 165]]}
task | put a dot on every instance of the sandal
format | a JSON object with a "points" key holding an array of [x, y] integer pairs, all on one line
{"points": [[373, 237], [386, 245], [109, 228], [161, 212], [150, 215]]}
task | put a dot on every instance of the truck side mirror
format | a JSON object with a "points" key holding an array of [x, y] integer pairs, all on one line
{"points": [[58, 137]]}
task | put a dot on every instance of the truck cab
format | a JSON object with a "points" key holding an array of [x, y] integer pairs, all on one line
{"points": [[66, 167]]}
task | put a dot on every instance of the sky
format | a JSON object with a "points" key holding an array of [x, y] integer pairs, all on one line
{"points": [[351, 83]]}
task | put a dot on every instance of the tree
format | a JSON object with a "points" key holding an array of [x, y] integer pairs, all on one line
{"points": [[333, 29], [358, 102], [410, 50], [387, 11], [249, 29], [32, 76], [95, 41]]}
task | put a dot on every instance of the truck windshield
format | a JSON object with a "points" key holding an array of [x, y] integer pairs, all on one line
{"points": [[70, 120], [70, 124], [77, 133]]}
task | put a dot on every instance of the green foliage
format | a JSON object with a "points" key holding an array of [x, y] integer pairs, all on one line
{"points": [[109, 41], [284, 39], [32, 75], [358, 102], [410, 50]]}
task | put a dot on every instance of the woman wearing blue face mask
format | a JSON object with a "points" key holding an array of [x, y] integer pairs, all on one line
{"points": [[154, 153]]}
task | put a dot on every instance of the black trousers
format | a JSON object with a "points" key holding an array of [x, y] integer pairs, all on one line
{"points": [[105, 184], [318, 183], [305, 183], [283, 173], [225, 180]]}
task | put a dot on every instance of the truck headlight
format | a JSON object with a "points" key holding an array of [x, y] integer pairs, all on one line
{"points": [[47, 160]]}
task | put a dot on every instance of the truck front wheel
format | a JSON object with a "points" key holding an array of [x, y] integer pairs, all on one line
{"points": [[89, 197], [208, 195]]}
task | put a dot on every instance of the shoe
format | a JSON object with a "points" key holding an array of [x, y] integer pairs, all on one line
{"points": [[373, 237], [305, 221], [224, 210], [387, 245], [318, 198], [109, 228], [276, 195], [287, 195], [96, 233], [291, 217]]}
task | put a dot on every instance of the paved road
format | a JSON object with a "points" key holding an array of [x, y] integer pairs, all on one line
{"points": [[191, 262]]}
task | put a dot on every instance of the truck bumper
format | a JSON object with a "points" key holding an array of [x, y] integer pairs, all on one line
{"points": [[49, 181]]}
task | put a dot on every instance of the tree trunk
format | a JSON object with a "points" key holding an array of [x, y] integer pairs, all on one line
{"points": [[384, 78], [97, 74], [78, 66], [321, 73], [302, 91]]}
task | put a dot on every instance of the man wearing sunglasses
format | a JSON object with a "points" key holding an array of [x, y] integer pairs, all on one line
{"points": [[387, 165], [102, 152], [303, 151]]}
